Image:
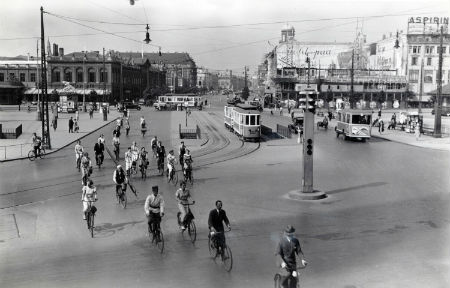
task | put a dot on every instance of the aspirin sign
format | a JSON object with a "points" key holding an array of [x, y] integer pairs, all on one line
{"points": [[427, 25]]}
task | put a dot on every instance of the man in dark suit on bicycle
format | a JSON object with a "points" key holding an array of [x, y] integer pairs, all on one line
{"points": [[215, 224]]}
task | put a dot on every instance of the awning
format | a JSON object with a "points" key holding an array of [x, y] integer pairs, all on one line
{"points": [[33, 91]]}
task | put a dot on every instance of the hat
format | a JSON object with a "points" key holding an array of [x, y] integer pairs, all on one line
{"points": [[119, 166], [155, 188], [289, 229]]}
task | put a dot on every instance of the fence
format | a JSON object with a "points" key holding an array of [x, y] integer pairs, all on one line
{"points": [[284, 131], [266, 130], [189, 133], [11, 133], [15, 151]]}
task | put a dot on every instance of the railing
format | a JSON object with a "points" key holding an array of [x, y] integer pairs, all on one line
{"points": [[284, 131], [266, 130], [189, 133], [15, 151], [11, 133]]}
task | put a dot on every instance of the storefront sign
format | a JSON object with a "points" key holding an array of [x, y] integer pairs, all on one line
{"points": [[427, 25]]}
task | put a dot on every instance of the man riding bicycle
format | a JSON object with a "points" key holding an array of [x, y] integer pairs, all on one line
{"points": [[128, 161], [102, 139], [183, 196], [86, 167], [170, 162], [89, 194], [78, 153], [160, 154], [37, 142], [154, 209], [287, 250], [187, 158], [120, 179], [98, 149], [143, 156], [154, 145], [215, 224]]}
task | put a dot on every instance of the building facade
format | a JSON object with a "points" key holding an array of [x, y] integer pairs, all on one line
{"points": [[207, 79]]}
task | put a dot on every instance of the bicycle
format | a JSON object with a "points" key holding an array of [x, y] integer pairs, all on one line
{"points": [[188, 222], [117, 151], [155, 154], [90, 215], [32, 156], [79, 161], [121, 194], [98, 159], [188, 175], [144, 167], [157, 235], [161, 167], [87, 171], [293, 280], [223, 250], [173, 176]]}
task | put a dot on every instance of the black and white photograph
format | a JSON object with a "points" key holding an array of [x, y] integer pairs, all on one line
{"points": [[225, 143]]}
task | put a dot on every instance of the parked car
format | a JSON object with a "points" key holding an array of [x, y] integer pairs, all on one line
{"points": [[129, 105]]}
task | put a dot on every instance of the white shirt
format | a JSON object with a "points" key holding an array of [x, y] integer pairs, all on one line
{"points": [[151, 202], [78, 149], [89, 194], [128, 157]]}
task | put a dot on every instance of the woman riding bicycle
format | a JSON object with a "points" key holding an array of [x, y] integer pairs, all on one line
{"points": [[182, 196], [89, 194], [86, 168], [78, 153], [154, 208], [171, 162], [134, 154], [143, 157], [128, 161]]}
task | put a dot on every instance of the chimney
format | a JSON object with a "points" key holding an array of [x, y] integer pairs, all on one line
{"points": [[61, 51], [55, 49]]}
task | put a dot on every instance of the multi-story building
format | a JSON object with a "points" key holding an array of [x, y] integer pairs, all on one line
{"points": [[207, 79]]}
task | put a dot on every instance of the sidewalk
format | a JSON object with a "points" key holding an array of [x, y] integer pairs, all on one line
{"points": [[11, 149], [424, 141]]}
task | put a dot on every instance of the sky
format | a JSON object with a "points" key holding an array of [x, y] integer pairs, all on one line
{"points": [[218, 34]]}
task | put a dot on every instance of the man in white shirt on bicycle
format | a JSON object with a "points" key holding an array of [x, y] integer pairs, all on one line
{"points": [[171, 162], [128, 161], [78, 153], [154, 208], [134, 153], [89, 194]]}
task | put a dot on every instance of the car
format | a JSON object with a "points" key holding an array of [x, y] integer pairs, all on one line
{"points": [[297, 123], [129, 105]]}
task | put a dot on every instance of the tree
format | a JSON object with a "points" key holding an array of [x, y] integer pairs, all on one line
{"points": [[245, 93]]}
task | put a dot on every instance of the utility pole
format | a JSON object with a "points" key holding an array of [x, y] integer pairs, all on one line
{"points": [[104, 74], [421, 86], [352, 73], [45, 120], [437, 104], [39, 111]]}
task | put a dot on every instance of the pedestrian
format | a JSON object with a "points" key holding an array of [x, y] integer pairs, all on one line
{"points": [[380, 126], [77, 115], [127, 126], [281, 111], [91, 113], [379, 113], [54, 123], [417, 131], [71, 125], [75, 126]]}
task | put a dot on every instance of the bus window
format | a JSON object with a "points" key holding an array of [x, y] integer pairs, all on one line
{"points": [[252, 119], [169, 99], [348, 118], [180, 99], [257, 119], [247, 119]]}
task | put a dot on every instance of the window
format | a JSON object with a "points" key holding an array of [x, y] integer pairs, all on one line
{"points": [[56, 76], [2, 77], [429, 49], [428, 76], [33, 77], [360, 119], [413, 60], [444, 49], [103, 76], [252, 119], [68, 76], [12, 76], [437, 76], [429, 61], [79, 75], [91, 75], [414, 76], [22, 77], [416, 49], [257, 119]]}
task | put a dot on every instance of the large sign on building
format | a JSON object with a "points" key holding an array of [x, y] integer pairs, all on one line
{"points": [[293, 54], [427, 25]]}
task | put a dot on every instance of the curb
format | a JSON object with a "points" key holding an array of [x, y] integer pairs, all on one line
{"points": [[60, 148], [409, 144]]}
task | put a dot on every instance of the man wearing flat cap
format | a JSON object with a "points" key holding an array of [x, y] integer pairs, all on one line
{"points": [[154, 208]]}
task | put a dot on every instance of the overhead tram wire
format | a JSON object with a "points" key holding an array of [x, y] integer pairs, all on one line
{"points": [[97, 29]]}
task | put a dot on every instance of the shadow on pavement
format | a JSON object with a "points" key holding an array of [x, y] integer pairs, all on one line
{"points": [[375, 184], [107, 228]]}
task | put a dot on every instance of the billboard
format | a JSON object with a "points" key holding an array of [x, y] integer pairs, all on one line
{"points": [[293, 54], [427, 25]]}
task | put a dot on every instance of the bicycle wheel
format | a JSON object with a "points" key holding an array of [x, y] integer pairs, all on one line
{"points": [[160, 243], [91, 223], [31, 155], [175, 178], [42, 154], [192, 230], [123, 200], [277, 280], [227, 258]]}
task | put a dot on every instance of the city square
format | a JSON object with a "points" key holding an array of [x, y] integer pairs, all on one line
{"points": [[342, 143]]}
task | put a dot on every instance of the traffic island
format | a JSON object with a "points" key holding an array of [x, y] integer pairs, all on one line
{"points": [[299, 195]]}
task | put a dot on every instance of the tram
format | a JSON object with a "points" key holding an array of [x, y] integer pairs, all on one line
{"points": [[244, 120], [354, 124], [174, 100]]}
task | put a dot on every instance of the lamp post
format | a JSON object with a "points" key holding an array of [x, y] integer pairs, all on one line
{"points": [[84, 83], [45, 121]]}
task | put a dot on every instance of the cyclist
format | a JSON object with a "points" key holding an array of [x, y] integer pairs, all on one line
{"points": [[181, 151], [154, 208], [154, 144], [78, 153], [120, 179], [116, 144], [187, 158], [215, 224], [170, 162], [135, 154], [86, 166], [143, 156], [160, 154], [128, 161], [37, 141], [116, 131], [182, 196], [89, 194], [98, 149], [287, 250]]}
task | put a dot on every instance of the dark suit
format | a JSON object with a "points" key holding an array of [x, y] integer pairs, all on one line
{"points": [[216, 220]]}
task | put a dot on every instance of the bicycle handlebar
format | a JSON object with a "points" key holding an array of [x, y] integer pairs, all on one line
{"points": [[189, 204]]}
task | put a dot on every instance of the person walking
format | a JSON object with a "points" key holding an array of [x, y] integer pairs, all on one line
{"points": [[54, 123], [71, 125], [417, 131], [380, 126], [77, 115]]}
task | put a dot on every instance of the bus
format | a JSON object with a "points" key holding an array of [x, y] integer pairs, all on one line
{"points": [[354, 124], [171, 101]]}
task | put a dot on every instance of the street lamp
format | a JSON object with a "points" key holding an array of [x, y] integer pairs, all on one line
{"points": [[147, 36]]}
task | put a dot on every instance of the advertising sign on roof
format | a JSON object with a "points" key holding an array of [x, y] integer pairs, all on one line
{"points": [[427, 25]]}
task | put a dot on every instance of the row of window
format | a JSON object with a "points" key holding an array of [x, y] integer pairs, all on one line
{"points": [[22, 77], [429, 61], [91, 76], [428, 49], [414, 76]]}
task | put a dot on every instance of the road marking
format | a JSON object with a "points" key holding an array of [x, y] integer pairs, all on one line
{"points": [[8, 227]]}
